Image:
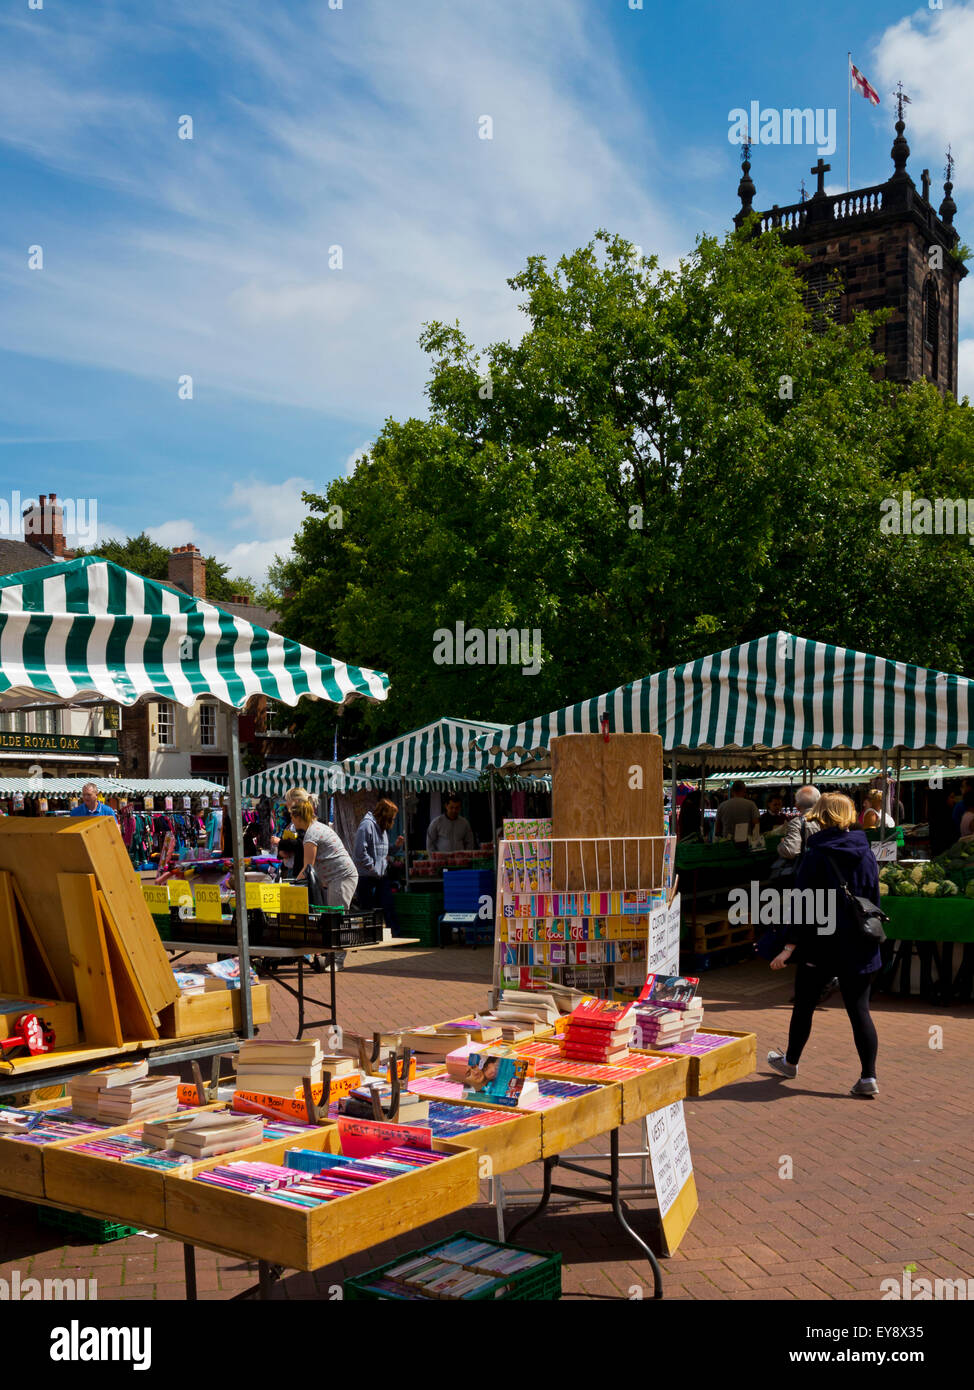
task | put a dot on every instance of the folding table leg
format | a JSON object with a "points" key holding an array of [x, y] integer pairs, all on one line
{"points": [[189, 1272]]}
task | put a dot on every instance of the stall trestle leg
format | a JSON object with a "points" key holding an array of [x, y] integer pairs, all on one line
{"points": [[189, 1272]]}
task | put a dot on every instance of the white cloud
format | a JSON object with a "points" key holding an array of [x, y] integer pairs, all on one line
{"points": [[218, 263], [355, 457]]}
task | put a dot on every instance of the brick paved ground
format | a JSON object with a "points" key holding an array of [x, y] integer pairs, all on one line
{"points": [[875, 1185]]}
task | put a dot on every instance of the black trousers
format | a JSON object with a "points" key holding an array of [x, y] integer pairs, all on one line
{"points": [[377, 892], [810, 980]]}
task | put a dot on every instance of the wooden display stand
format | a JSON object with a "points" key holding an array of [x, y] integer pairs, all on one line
{"points": [[215, 1011], [722, 1066], [73, 920], [308, 1238], [106, 1187]]}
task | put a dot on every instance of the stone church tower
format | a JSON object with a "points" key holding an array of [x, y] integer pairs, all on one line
{"points": [[889, 248]]}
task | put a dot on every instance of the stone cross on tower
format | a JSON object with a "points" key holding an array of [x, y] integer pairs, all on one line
{"points": [[821, 169]]}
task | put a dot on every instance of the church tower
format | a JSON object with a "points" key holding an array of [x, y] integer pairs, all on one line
{"points": [[889, 248]]}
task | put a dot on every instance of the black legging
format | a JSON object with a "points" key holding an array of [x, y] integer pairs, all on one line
{"points": [[810, 980]]}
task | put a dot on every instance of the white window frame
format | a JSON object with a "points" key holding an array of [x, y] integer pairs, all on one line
{"points": [[208, 710], [165, 721]]}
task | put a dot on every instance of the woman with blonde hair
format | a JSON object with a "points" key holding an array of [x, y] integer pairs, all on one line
{"points": [[832, 943], [324, 850], [872, 812]]}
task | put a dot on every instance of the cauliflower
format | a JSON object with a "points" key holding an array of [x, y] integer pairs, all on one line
{"points": [[933, 873], [948, 889], [930, 890], [969, 890], [916, 873], [889, 873], [907, 889], [884, 889]]}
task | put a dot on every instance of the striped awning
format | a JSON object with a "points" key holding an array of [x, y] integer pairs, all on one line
{"points": [[329, 778], [779, 692], [108, 786], [443, 747], [90, 628]]}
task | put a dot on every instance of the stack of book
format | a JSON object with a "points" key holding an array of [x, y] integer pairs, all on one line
{"points": [[208, 1134], [658, 1026], [413, 1109], [442, 1038], [278, 1068], [599, 1030], [522, 1013], [118, 1094], [668, 1011]]}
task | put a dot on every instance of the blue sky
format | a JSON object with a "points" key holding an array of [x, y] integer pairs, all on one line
{"points": [[357, 127]]}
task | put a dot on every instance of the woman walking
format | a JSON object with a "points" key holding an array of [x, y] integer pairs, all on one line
{"points": [[834, 946]]}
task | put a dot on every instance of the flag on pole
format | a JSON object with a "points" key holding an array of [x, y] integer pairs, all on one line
{"points": [[863, 87]]}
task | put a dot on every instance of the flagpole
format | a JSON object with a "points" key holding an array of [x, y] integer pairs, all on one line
{"points": [[848, 157]]}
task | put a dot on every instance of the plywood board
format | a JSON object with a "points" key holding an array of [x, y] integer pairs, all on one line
{"points": [[40, 972], [134, 1014], [93, 985], [36, 850], [604, 789], [13, 974]]}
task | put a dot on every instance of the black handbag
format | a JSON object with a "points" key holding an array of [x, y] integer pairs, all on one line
{"points": [[867, 917], [317, 892]]}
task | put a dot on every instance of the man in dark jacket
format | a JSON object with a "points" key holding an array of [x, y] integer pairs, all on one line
{"points": [[831, 944]]}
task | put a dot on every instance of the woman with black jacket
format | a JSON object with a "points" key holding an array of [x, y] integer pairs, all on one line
{"points": [[833, 944]]}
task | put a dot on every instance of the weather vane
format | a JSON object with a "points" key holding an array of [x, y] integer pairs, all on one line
{"points": [[803, 191], [746, 146], [901, 100], [949, 167]]}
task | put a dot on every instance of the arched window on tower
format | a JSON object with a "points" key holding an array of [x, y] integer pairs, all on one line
{"points": [[931, 324]]}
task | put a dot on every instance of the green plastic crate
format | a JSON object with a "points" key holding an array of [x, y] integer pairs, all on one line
{"points": [[91, 1228], [419, 907], [540, 1284]]}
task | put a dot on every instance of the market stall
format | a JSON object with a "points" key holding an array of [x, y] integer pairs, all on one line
{"points": [[88, 629], [777, 707]]}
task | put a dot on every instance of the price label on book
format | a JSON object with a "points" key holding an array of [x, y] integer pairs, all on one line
{"points": [[669, 1155], [156, 899], [208, 907]]}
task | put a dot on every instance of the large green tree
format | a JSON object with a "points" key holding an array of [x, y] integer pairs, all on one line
{"points": [[666, 463]]}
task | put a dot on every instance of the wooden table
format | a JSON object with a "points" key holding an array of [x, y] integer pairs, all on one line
{"points": [[297, 955]]}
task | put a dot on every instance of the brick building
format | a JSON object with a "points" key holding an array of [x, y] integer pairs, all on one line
{"points": [[889, 247]]}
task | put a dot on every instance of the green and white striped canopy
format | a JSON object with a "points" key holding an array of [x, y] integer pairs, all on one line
{"points": [[778, 692], [319, 778], [328, 778], [90, 628], [443, 747]]}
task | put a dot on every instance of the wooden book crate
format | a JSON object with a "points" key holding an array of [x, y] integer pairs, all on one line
{"points": [[723, 1065], [124, 1191], [309, 1238]]}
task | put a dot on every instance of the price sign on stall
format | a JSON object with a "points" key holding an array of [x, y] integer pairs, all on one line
{"points": [[885, 851], [156, 899], [669, 1154], [270, 897], [208, 906]]}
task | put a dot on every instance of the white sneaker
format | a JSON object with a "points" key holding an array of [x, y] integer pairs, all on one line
{"points": [[866, 1089], [778, 1062]]}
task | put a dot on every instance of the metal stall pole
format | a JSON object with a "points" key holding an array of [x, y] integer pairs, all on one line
{"points": [[673, 796], [239, 882], [405, 826]]}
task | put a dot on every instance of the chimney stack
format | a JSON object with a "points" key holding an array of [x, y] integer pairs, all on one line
{"points": [[187, 570], [43, 528]]}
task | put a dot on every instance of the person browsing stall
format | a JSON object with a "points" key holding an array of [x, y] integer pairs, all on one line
{"points": [[370, 855], [323, 848], [738, 809], [450, 831]]}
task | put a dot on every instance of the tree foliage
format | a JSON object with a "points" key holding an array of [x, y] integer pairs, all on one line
{"points": [[144, 556], [668, 462]]}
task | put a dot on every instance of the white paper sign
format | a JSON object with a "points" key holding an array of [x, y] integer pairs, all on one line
{"points": [[885, 851], [658, 954], [669, 1153], [671, 961]]}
